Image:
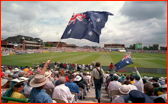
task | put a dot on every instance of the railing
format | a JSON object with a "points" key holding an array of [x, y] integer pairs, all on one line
{"points": [[15, 99]]}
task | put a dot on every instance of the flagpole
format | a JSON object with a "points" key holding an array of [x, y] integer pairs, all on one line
{"points": [[56, 48]]}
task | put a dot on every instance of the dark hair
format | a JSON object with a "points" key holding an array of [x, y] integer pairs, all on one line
{"points": [[127, 82], [127, 77], [131, 78], [155, 85], [97, 64], [148, 88], [18, 86]]}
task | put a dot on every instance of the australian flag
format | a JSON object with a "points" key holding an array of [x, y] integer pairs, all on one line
{"points": [[124, 62], [86, 25]]}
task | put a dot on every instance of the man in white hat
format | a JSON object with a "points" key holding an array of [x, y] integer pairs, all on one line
{"points": [[164, 95], [38, 94], [63, 92], [124, 90], [49, 84]]}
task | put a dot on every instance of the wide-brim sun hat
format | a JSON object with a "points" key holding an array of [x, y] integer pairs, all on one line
{"points": [[164, 86], [3, 81], [15, 70], [87, 73], [77, 78], [23, 78], [124, 89], [47, 74], [38, 80], [15, 82], [161, 78]]}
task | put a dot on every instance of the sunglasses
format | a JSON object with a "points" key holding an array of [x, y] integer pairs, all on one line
{"points": [[19, 85]]}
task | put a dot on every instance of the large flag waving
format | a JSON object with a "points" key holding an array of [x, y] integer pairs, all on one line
{"points": [[124, 62], [86, 25]]}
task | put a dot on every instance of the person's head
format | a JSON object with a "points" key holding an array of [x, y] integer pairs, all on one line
{"points": [[154, 79], [127, 78], [126, 82], [144, 80], [155, 85], [21, 74], [115, 78], [39, 81], [124, 89], [97, 64], [164, 87], [148, 88], [70, 77], [84, 73], [131, 78], [18, 87], [62, 80], [137, 77]]}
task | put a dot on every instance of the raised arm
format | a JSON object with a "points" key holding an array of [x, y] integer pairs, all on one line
{"points": [[45, 67], [137, 72]]}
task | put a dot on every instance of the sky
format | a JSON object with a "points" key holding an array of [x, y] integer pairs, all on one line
{"points": [[132, 21]]}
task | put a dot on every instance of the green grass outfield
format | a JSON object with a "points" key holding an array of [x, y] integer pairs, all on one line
{"points": [[143, 60]]}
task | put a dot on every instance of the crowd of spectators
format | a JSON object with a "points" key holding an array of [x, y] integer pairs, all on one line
{"points": [[18, 82], [147, 51]]}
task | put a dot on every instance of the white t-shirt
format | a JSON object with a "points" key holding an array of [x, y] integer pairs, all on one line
{"points": [[27, 89]]}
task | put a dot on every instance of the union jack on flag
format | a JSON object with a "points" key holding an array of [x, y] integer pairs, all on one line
{"points": [[127, 56], [77, 16]]}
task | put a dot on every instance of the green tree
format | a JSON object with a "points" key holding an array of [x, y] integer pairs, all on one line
{"points": [[165, 48], [150, 47], [46, 45], [51, 45], [133, 47], [145, 48]]}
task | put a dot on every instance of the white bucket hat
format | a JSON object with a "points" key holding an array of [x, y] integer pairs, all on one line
{"points": [[15, 70], [17, 80], [3, 81], [23, 78], [38, 80], [77, 78], [47, 74], [161, 78], [87, 73], [124, 89]]}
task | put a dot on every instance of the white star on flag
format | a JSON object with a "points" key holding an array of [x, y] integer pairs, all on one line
{"points": [[90, 33], [127, 62], [98, 20], [69, 32]]}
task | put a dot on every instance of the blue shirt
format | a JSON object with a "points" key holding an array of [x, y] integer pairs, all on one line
{"points": [[72, 86], [57, 83], [39, 96]]}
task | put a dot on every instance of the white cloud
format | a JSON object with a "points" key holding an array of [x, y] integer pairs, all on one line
{"points": [[48, 19]]}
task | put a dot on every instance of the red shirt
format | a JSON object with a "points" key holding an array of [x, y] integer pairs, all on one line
{"points": [[30, 72], [111, 66], [2, 74]]}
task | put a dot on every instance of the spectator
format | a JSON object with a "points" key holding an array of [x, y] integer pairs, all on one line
{"points": [[127, 78], [136, 96], [144, 81], [77, 80], [72, 86], [107, 74], [111, 67], [98, 74], [132, 87], [164, 96], [114, 85], [132, 79], [28, 88], [63, 92], [138, 81], [155, 80], [49, 84], [14, 91], [122, 79], [38, 94], [124, 90], [26, 69]]}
